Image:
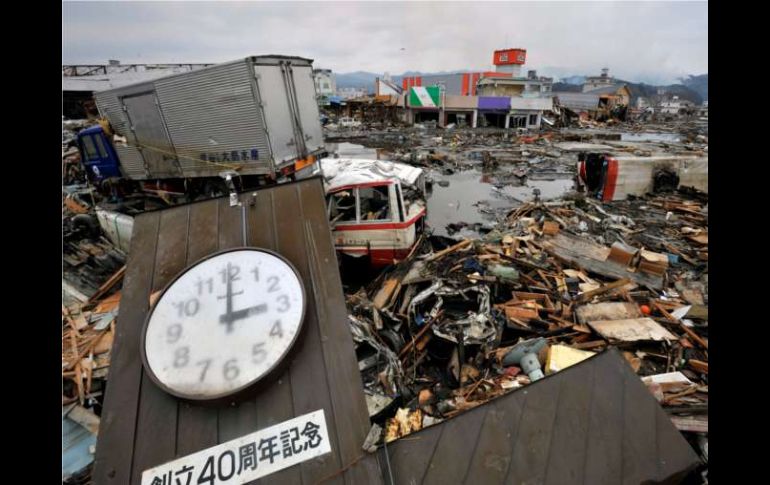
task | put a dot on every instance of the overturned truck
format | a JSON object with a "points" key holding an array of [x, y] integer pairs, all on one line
{"points": [[609, 177], [255, 118]]}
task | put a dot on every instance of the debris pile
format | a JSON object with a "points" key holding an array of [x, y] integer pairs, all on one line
{"points": [[93, 270], [457, 324]]}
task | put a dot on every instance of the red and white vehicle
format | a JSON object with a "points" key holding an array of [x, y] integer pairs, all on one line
{"points": [[376, 207], [614, 177]]}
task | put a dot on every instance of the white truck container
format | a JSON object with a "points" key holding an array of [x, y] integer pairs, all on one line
{"points": [[257, 116]]}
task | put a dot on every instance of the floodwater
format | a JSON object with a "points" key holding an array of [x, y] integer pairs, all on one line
{"points": [[474, 198], [665, 137]]}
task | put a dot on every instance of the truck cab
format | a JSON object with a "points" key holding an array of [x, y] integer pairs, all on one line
{"points": [[97, 154]]}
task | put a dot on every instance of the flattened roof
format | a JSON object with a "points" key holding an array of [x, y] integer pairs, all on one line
{"points": [[340, 172], [578, 101], [594, 422]]}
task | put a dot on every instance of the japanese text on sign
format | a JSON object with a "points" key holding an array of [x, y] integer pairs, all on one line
{"points": [[231, 156], [249, 457]]}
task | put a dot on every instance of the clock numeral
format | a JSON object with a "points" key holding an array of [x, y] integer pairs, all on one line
{"points": [[276, 331], [188, 308], [173, 333], [231, 370], [256, 274], [259, 353], [285, 303], [205, 363], [230, 271], [181, 356], [273, 284], [208, 283]]}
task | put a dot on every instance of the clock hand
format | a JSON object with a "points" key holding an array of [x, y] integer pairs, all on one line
{"points": [[247, 312], [227, 317]]}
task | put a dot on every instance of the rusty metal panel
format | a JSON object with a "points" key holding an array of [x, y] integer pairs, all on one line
{"points": [[594, 422], [143, 427]]}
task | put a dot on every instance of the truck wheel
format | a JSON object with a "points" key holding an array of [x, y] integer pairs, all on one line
{"points": [[86, 225]]}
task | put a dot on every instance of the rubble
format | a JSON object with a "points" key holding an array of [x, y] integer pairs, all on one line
{"points": [[553, 283], [530, 286]]}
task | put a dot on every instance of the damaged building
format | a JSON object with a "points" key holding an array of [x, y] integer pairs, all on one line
{"points": [[499, 98]]}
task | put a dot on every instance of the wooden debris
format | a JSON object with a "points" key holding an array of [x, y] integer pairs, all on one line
{"points": [[631, 330]]}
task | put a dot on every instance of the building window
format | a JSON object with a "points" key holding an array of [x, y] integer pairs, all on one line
{"points": [[532, 119]]}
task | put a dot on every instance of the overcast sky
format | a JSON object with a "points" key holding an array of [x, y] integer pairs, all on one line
{"points": [[654, 42]]}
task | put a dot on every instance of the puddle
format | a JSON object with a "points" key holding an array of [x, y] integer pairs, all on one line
{"points": [[473, 197], [666, 137]]}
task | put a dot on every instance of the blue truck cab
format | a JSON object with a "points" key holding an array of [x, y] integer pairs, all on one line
{"points": [[97, 154]]}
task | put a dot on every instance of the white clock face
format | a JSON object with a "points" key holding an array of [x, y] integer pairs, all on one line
{"points": [[224, 324]]}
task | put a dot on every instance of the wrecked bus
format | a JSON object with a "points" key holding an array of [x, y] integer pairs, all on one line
{"points": [[376, 208], [614, 177], [256, 116]]}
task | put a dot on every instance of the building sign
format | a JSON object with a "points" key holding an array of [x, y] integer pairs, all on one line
{"points": [[249, 457], [420, 97]]}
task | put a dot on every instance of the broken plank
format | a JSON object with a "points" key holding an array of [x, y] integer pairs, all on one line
{"points": [[695, 424], [603, 289], [108, 285], [85, 418], [448, 250], [699, 365], [592, 257], [631, 330], [607, 311], [385, 293]]}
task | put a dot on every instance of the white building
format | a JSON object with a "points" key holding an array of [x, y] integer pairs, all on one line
{"points": [[598, 82], [675, 106], [325, 82], [351, 93]]}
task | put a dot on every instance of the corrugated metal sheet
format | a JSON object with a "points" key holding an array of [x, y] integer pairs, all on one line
{"points": [[110, 106], [309, 114], [101, 82], [200, 127], [578, 101], [142, 426], [76, 442], [131, 162], [593, 423]]}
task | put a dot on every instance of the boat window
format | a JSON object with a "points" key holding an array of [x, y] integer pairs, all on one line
{"points": [[342, 206], [375, 205]]}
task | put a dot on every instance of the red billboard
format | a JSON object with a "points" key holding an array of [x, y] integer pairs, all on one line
{"points": [[506, 57]]}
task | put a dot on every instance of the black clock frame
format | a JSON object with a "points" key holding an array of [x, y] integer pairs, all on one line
{"points": [[251, 387]]}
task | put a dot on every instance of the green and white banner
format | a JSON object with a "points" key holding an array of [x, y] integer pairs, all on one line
{"points": [[420, 97]]}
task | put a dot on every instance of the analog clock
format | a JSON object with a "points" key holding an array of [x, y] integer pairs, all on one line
{"points": [[223, 324]]}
